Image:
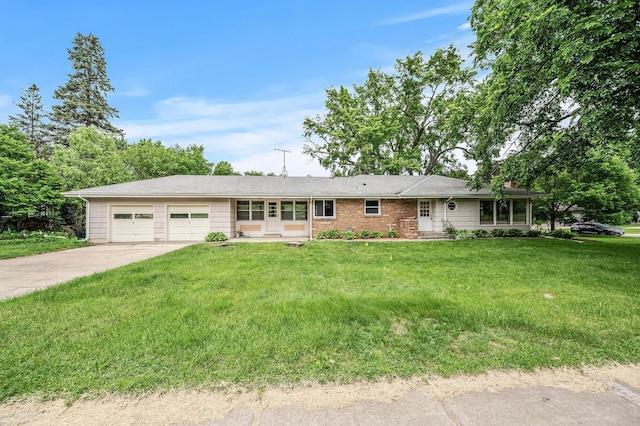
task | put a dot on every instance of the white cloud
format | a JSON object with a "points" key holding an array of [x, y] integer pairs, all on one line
{"points": [[297, 164], [464, 27], [243, 133], [133, 92], [5, 101], [454, 9], [5, 106]]}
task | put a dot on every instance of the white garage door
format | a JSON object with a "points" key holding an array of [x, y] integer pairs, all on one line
{"points": [[131, 224], [188, 223]]}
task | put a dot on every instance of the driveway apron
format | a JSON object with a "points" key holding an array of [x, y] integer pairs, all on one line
{"points": [[22, 275]]}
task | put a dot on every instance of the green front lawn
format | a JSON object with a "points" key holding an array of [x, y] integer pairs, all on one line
{"points": [[258, 314], [28, 247]]}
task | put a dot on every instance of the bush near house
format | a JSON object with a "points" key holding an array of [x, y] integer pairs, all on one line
{"points": [[215, 236], [334, 234], [348, 235]]}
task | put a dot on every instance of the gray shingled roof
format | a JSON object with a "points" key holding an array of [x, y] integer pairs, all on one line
{"points": [[293, 187]]}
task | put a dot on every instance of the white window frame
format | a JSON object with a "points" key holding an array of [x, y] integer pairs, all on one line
{"points": [[323, 201], [379, 207], [510, 221], [251, 211], [294, 212]]}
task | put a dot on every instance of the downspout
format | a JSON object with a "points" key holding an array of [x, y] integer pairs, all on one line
{"points": [[311, 218], [444, 225], [87, 217]]}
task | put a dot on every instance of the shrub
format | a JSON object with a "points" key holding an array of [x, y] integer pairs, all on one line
{"points": [[450, 231], [329, 234], [30, 235], [392, 234], [364, 234], [464, 234], [481, 233], [216, 236], [376, 234], [348, 235], [498, 233], [514, 233], [560, 233], [533, 233]]}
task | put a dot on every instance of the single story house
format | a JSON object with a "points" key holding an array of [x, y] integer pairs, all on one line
{"points": [[187, 208]]}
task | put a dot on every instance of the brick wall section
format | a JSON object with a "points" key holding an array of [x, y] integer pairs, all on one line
{"points": [[408, 228], [350, 213]]}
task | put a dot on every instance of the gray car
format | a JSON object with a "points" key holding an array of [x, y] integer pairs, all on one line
{"points": [[595, 228]]}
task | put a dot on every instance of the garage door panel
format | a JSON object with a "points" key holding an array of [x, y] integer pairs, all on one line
{"points": [[188, 223], [131, 223]]}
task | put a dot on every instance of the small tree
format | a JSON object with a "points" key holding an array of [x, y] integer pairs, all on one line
{"points": [[224, 168], [602, 188], [29, 122], [83, 97]]}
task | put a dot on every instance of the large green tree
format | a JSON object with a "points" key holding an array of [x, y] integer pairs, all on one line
{"points": [[147, 160], [83, 99], [564, 78], [30, 121], [28, 185], [92, 158], [411, 121]]}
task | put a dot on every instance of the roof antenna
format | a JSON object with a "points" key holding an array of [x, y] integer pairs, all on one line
{"points": [[284, 161]]}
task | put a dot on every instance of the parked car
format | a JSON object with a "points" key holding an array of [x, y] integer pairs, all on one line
{"points": [[595, 228]]}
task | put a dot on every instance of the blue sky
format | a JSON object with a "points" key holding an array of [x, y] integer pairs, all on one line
{"points": [[237, 77]]}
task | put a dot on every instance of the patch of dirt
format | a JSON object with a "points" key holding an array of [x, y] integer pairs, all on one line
{"points": [[182, 406]]}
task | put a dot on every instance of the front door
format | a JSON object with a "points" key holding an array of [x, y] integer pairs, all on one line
{"points": [[273, 222], [425, 222]]}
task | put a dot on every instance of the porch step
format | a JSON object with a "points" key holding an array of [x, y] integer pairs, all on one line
{"points": [[271, 235], [428, 235]]}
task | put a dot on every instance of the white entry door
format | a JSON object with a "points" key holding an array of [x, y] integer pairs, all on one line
{"points": [[425, 221], [273, 221]]}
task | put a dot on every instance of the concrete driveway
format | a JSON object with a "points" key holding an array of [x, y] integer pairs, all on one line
{"points": [[26, 274]]}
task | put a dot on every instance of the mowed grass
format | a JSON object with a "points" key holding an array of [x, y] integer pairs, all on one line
{"points": [[632, 229], [258, 314], [18, 248]]}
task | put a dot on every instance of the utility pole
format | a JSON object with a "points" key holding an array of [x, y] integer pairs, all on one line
{"points": [[284, 161]]}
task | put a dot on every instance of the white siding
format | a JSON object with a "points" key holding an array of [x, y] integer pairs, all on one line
{"points": [[98, 222], [223, 217], [465, 216]]}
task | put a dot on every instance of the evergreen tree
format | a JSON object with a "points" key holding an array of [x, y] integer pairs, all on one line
{"points": [[83, 98], [29, 122]]}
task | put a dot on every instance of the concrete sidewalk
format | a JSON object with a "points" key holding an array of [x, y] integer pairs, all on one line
{"points": [[594, 396], [530, 406], [26, 274]]}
